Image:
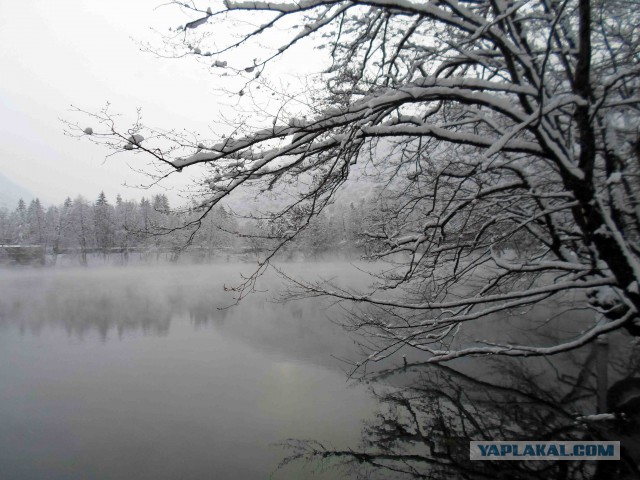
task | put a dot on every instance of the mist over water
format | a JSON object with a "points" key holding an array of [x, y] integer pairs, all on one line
{"points": [[141, 373], [152, 372]]}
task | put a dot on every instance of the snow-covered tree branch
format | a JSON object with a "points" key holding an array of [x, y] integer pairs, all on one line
{"points": [[504, 135]]}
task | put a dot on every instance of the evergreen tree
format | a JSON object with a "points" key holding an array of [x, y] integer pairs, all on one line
{"points": [[103, 220], [35, 223], [5, 226], [20, 226]]}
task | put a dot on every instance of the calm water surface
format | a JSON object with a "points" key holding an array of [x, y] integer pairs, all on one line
{"points": [[136, 374]]}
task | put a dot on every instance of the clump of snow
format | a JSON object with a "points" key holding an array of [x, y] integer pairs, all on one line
{"points": [[219, 63], [604, 296], [296, 122], [88, 131], [128, 146], [197, 51], [197, 23], [633, 287], [602, 230], [599, 417], [615, 177], [209, 11], [135, 139]]}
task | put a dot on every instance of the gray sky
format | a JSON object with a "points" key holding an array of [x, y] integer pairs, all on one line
{"points": [[54, 54]]}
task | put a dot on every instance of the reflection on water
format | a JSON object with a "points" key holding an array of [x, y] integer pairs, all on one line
{"points": [[114, 303], [138, 373], [423, 430]]}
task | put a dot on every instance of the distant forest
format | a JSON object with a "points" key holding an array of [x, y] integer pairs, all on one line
{"points": [[150, 230]]}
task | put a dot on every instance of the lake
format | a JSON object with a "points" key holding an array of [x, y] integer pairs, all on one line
{"points": [[142, 373], [137, 373]]}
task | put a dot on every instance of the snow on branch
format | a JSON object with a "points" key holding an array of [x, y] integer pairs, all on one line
{"points": [[500, 140]]}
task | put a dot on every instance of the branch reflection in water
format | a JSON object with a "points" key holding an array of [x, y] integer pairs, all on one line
{"points": [[423, 426]]}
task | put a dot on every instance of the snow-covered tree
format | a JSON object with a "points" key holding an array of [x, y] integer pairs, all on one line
{"points": [[103, 222], [83, 226], [125, 226], [6, 226], [505, 134], [216, 235], [18, 223], [52, 224], [65, 229], [36, 223]]}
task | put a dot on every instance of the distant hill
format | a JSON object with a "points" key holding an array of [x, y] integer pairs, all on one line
{"points": [[11, 192]]}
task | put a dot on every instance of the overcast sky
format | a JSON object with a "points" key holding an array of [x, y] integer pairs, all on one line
{"points": [[55, 54]]}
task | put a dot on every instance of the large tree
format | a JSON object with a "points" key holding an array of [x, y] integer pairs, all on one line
{"points": [[504, 133]]}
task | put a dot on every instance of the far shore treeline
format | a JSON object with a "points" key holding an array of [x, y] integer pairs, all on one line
{"points": [[149, 230]]}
